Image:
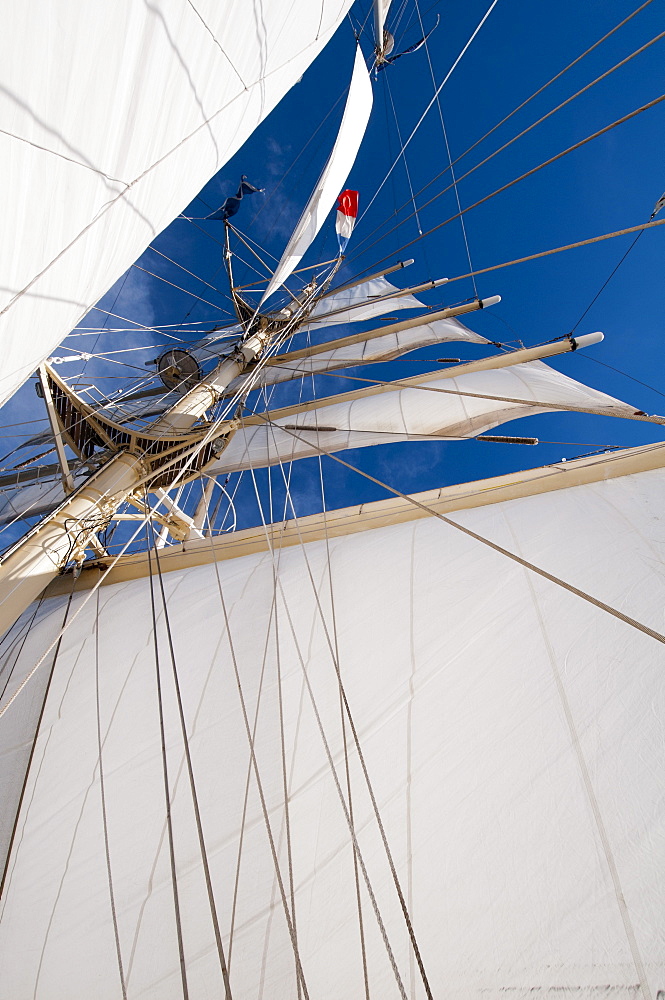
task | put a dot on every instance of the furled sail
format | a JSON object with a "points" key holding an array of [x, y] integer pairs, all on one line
{"points": [[383, 414], [381, 8], [365, 301], [515, 763], [350, 135], [111, 125]]}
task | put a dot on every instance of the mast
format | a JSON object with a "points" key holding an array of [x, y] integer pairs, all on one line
{"points": [[139, 462]]}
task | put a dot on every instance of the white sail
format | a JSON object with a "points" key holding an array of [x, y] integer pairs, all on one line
{"points": [[356, 350], [33, 499], [375, 416], [350, 135], [111, 125], [515, 762], [355, 304], [383, 415]]}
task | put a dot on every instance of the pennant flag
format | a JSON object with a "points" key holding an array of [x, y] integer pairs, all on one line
{"points": [[232, 204], [660, 204], [383, 62], [347, 211]]}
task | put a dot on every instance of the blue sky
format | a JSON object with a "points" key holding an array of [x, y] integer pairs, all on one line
{"points": [[608, 184]]}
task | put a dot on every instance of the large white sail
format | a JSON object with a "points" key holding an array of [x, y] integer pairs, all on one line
{"points": [[111, 125], [469, 405], [334, 174], [514, 761]]}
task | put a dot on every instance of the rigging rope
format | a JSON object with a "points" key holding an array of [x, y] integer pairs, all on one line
{"points": [[505, 146], [356, 846], [361, 927], [165, 775], [516, 180], [259, 785], [447, 145], [361, 758], [190, 769], [102, 793], [422, 117], [568, 246]]}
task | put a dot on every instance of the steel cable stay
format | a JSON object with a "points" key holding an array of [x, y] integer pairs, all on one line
{"points": [[356, 873], [179, 288], [347, 709], [414, 214], [293, 930], [340, 793], [424, 114], [504, 187], [187, 271], [286, 777], [246, 798], [248, 779], [272, 612], [500, 149]]}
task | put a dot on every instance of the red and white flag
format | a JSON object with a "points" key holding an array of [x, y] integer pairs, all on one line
{"points": [[347, 211]]}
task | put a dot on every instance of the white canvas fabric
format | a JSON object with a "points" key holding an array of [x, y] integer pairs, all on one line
{"points": [[511, 731], [111, 124], [357, 420], [392, 345], [355, 304], [334, 174]]}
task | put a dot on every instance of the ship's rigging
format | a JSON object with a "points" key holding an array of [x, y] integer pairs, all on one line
{"points": [[388, 704]]}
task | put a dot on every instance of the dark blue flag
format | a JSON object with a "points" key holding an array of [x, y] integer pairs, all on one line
{"points": [[232, 204], [412, 48]]}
